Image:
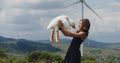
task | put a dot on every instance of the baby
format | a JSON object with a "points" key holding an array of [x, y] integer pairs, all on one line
{"points": [[68, 23]]}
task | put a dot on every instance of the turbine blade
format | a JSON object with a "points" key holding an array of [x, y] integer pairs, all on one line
{"points": [[93, 11], [72, 4]]}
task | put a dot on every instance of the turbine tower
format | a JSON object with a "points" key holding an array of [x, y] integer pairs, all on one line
{"points": [[82, 12], [17, 35]]}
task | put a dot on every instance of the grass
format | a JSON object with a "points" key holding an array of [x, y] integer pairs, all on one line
{"points": [[91, 51]]}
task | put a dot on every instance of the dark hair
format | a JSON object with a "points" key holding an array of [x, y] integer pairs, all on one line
{"points": [[85, 24]]}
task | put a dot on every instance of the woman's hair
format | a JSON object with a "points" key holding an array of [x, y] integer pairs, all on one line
{"points": [[85, 25]]}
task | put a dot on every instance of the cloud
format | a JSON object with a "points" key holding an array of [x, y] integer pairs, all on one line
{"points": [[115, 4], [18, 20], [31, 17], [33, 4]]}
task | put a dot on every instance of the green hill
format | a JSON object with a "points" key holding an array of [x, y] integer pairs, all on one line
{"points": [[22, 45]]}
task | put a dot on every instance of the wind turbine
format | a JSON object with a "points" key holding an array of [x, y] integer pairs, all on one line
{"points": [[82, 8], [84, 3]]}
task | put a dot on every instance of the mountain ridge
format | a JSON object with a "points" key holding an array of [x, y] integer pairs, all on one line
{"points": [[23, 45]]}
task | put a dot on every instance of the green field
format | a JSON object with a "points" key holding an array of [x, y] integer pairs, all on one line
{"points": [[92, 51]]}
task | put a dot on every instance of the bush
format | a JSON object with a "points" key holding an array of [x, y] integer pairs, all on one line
{"points": [[16, 59], [2, 54], [108, 61], [57, 58], [34, 56], [88, 59], [3, 60], [44, 57]]}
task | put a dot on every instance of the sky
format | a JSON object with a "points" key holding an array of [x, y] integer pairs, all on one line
{"points": [[28, 19]]}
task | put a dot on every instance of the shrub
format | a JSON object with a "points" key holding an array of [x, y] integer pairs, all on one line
{"points": [[88, 59], [2, 54], [44, 57], [34, 56]]}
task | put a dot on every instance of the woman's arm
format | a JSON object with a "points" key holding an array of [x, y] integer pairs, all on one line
{"points": [[66, 32]]}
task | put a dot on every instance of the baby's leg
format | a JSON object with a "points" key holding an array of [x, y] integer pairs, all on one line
{"points": [[52, 36], [57, 37]]}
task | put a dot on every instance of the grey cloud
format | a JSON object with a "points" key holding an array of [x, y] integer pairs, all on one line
{"points": [[42, 5], [30, 27], [25, 24], [106, 37], [25, 21]]}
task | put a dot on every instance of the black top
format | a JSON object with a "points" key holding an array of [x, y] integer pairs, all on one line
{"points": [[73, 54]]}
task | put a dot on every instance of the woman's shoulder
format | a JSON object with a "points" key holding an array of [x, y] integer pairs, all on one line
{"points": [[83, 35]]}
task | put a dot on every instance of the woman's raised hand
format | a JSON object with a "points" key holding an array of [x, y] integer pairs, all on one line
{"points": [[60, 24]]}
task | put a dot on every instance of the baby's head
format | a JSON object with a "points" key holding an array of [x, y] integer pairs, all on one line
{"points": [[72, 25]]}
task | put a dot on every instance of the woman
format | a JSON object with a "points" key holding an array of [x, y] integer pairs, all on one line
{"points": [[73, 54]]}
